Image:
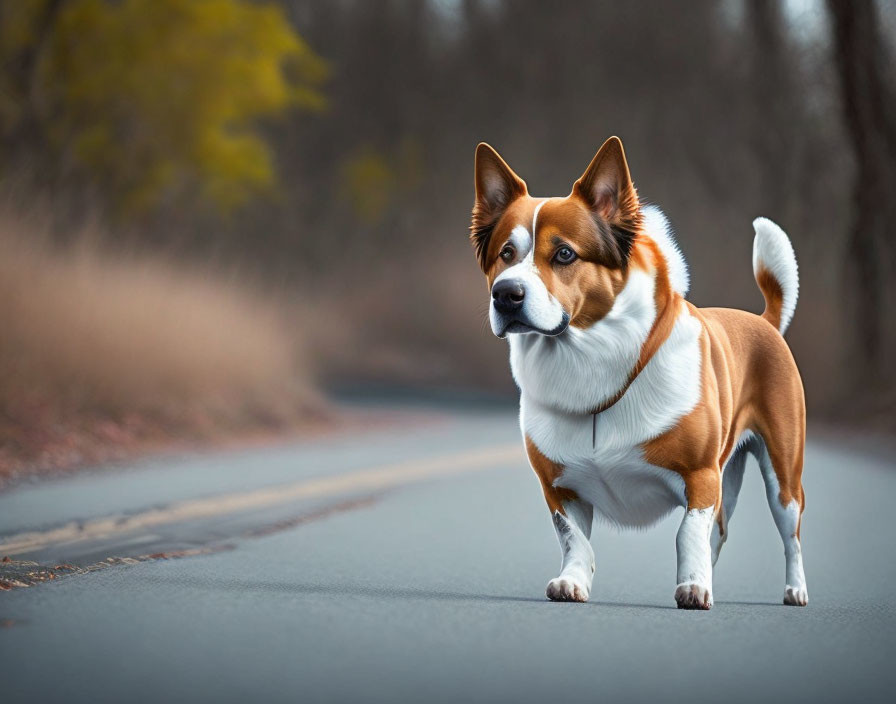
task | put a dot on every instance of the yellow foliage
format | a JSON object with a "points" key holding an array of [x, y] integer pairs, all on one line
{"points": [[372, 180], [157, 96], [368, 182]]}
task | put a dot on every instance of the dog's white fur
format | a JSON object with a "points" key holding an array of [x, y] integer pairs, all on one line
{"points": [[657, 226], [611, 472], [694, 555], [581, 369], [772, 251], [577, 566]]}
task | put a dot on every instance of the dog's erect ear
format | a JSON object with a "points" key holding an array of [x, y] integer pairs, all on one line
{"points": [[496, 184], [496, 188], [606, 186]]}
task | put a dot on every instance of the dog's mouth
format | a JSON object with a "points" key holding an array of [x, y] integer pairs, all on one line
{"points": [[516, 327]]}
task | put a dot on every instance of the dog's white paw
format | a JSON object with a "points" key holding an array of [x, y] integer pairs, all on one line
{"points": [[796, 596], [566, 589], [693, 596]]}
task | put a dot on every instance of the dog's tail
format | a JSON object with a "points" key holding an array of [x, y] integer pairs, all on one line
{"points": [[774, 266]]}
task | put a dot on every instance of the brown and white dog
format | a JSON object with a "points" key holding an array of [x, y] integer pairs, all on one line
{"points": [[632, 400]]}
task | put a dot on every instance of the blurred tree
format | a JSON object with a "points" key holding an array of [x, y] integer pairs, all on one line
{"points": [[776, 150], [868, 100], [153, 99]]}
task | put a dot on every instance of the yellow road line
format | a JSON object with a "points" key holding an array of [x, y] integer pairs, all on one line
{"points": [[373, 478]]}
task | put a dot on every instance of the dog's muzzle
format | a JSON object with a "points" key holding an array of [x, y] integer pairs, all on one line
{"points": [[509, 302]]}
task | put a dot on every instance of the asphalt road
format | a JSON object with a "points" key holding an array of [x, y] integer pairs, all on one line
{"points": [[409, 565]]}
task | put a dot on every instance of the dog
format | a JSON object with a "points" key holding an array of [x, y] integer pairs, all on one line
{"points": [[633, 401]]}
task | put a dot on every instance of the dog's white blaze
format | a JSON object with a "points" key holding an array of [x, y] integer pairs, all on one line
{"points": [[772, 251], [535, 217], [612, 474], [692, 544], [521, 240]]}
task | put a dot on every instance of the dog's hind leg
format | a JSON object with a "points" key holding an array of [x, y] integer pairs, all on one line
{"points": [[781, 471], [732, 480]]}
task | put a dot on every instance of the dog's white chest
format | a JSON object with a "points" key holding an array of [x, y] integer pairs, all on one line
{"points": [[611, 472]]}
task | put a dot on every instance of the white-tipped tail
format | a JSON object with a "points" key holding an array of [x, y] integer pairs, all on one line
{"points": [[773, 258]]}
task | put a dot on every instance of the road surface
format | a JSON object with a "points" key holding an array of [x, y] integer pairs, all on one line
{"points": [[409, 565]]}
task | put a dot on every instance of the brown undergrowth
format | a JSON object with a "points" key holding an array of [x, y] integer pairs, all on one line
{"points": [[105, 356]]}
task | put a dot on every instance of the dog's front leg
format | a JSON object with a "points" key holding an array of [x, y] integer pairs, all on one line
{"points": [[572, 521], [694, 590], [577, 568]]}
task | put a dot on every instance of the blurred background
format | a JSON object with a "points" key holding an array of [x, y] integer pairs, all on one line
{"points": [[217, 215]]}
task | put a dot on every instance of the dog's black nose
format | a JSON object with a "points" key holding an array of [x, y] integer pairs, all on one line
{"points": [[508, 295]]}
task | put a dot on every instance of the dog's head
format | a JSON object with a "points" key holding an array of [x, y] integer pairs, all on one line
{"points": [[555, 262]]}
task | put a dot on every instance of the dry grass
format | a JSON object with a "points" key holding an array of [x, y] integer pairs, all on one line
{"points": [[101, 356]]}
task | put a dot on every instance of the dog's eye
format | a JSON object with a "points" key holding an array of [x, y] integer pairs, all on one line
{"points": [[564, 255], [507, 253]]}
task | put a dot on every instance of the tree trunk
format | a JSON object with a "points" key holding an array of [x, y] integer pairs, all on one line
{"points": [[869, 115], [777, 130]]}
